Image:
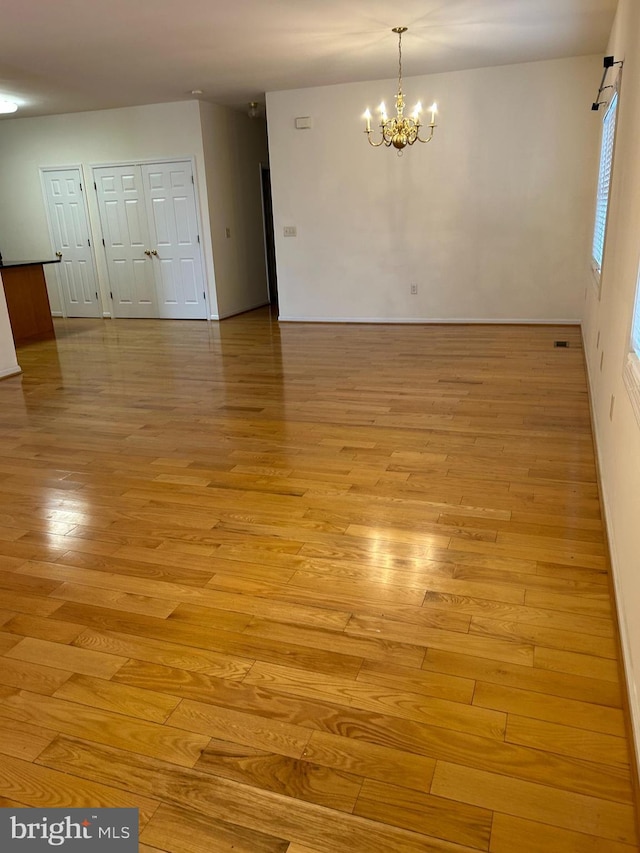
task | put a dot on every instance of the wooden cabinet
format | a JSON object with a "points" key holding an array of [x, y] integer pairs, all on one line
{"points": [[27, 302]]}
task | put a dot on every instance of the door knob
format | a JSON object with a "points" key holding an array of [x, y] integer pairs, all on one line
{"points": [[147, 252], [58, 254], [154, 252]]}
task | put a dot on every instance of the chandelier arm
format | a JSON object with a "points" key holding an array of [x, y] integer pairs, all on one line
{"points": [[373, 144], [429, 138]]}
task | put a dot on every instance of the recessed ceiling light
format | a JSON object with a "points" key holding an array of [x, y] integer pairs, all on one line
{"points": [[196, 91], [8, 106]]}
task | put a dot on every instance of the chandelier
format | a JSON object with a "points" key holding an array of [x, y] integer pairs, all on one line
{"points": [[400, 131]]}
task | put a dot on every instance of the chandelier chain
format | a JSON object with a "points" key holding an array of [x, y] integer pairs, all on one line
{"points": [[399, 62]]}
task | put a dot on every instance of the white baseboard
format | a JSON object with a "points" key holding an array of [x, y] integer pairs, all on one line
{"points": [[632, 688], [10, 371], [426, 321], [57, 314], [106, 315]]}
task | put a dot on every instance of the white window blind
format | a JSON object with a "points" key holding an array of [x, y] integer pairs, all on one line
{"points": [[604, 181]]}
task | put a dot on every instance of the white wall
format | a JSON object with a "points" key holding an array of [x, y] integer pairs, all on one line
{"points": [[609, 316], [491, 219], [234, 147], [121, 135], [8, 362]]}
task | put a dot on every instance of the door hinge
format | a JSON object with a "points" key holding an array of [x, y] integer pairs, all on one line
{"points": [[88, 242], [103, 243], [204, 296], [192, 179], [111, 294], [198, 238], [95, 186], [81, 190], [96, 294]]}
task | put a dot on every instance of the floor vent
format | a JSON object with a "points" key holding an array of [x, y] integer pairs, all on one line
{"points": [[561, 343]]}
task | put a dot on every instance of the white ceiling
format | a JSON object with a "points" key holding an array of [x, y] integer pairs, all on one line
{"points": [[61, 56]]}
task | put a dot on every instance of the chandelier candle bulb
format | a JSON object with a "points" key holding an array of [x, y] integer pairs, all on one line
{"points": [[400, 130]]}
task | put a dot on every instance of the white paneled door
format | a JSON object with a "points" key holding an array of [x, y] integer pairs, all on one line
{"points": [[69, 227], [150, 229], [126, 240], [171, 207]]}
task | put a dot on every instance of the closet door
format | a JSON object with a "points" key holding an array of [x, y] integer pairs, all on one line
{"points": [[175, 243], [69, 227], [126, 240]]}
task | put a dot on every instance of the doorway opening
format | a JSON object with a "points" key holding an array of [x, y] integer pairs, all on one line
{"points": [[269, 237]]}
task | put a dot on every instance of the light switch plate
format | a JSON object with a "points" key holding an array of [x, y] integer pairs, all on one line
{"points": [[290, 231]]}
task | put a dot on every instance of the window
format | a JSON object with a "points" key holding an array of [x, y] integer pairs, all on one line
{"points": [[604, 181], [632, 369], [635, 329]]}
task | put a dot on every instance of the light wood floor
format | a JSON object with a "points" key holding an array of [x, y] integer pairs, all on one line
{"points": [[316, 589]]}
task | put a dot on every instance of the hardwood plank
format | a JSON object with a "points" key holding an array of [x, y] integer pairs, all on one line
{"points": [[171, 654], [261, 811], [513, 833], [426, 814], [495, 610], [510, 651], [573, 663], [568, 740], [44, 628], [589, 716], [121, 698], [590, 603], [223, 642], [42, 787], [247, 605], [298, 848], [570, 641], [23, 740], [239, 727], [65, 657], [367, 759], [604, 819], [579, 687], [129, 602], [104, 726], [385, 700], [347, 643], [358, 589], [181, 830], [292, 777], [31, 676], [412, 680], [7, 642]]}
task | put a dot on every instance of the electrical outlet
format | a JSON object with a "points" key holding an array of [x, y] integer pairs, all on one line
{"points": [[414, 289], [290, 231]]}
